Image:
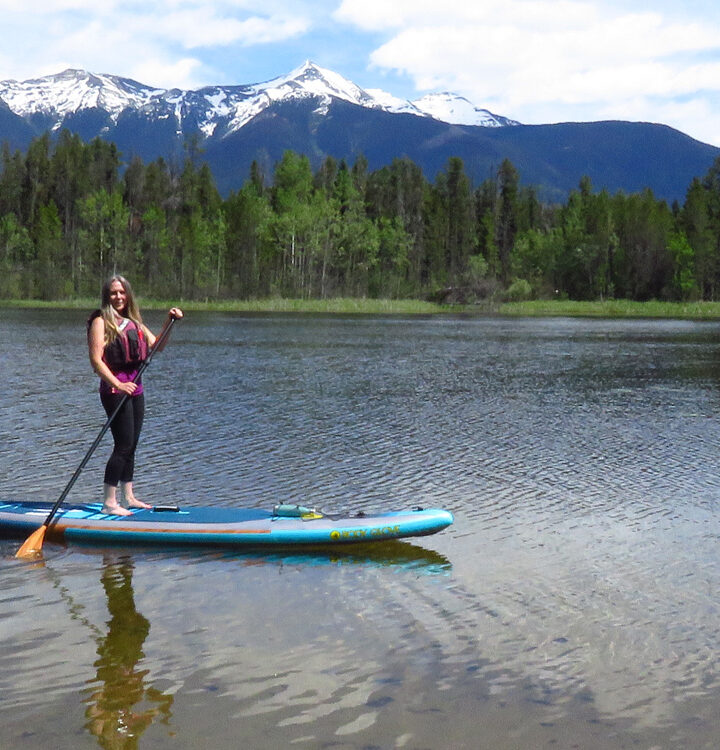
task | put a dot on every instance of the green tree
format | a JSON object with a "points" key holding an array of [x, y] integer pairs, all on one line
{"points": [[436, 271], [103, 234], [535, 258], [35, 189], [354, 238], [399, 191], [388, 277], [247, 216], [293, 226], [645, 266], [16, 251], [103, 165], [711, 183], [506, 224], [684, 286], [12, 177], [460, 219], [153, 250], [583, 269], [485, 223], [325, 176], [52, 275], [68, 183], [695, 222]]}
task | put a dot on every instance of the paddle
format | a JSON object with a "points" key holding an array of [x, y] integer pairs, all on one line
{"points": [[33, 544]]}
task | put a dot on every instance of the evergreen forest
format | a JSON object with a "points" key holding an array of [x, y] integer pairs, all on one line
{"points": [[72, 214]]}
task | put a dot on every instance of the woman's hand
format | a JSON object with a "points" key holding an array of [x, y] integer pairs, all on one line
{"points": [[174, 313], [128, 388]]}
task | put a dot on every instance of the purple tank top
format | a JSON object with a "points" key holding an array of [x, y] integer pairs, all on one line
{"points": [[123, 377]]}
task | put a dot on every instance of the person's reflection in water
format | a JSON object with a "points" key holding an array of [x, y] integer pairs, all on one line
{"points": [[122, 707]]}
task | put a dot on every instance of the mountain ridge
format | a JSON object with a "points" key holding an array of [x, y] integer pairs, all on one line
{"points": [[320, 113], [73, 90]]}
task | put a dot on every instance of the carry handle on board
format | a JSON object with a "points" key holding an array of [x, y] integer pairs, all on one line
{"points": [[33, 544]]}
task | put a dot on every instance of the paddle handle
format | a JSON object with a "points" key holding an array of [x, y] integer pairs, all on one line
{"points": [[143, 366]]}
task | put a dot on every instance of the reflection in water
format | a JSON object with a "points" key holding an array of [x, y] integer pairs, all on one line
{"points": [[123, 707], [396, 554]]}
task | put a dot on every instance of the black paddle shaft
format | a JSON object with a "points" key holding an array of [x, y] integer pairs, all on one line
{"points": [[143, 366]]}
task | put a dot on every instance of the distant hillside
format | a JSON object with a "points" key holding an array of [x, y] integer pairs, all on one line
{"points": [[318, 113]]}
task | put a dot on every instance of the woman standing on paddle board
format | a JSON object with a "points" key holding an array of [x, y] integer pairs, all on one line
{"points": [[119, 341]]}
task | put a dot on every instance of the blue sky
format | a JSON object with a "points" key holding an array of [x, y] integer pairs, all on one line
{"points": [[536, 61]]}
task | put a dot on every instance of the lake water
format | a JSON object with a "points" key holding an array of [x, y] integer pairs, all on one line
{"points": [[572, 604]]}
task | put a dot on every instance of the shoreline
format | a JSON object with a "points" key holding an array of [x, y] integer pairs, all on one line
{"points": [[350, 306]]}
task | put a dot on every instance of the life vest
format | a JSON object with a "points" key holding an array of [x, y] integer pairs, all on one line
{"points": [[128, 349]]}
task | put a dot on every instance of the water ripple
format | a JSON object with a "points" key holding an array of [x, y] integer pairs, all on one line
{"points": [[575, 593]]}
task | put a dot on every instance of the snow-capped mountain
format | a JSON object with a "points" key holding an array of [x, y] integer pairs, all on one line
{"points": [[448, 107], [318, 113], [227, 108], [72, 91]]}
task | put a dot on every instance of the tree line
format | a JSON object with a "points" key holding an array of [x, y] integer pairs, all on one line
{"points": [[71, 214]]}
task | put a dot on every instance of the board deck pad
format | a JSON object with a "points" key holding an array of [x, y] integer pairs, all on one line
{"points": [[284, 525]]}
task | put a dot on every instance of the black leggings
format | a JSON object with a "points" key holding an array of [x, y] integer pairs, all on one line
{"points": [[125, 430]]}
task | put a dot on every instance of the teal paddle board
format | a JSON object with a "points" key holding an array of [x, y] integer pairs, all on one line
{"points": [[289, 525]]}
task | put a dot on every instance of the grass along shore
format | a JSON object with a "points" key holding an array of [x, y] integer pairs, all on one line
{"points": [[340, 306], [613, 309], [360, 306]]}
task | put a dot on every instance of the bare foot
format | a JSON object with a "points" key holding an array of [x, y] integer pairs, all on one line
{"points": [[115, 510], [135, 503]]}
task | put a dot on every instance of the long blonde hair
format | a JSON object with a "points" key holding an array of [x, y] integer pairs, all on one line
{"points": [[107, 311]]}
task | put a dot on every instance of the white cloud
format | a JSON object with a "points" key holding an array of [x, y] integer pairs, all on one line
{"points": [[162, 43], [166, 73], [195, 27], [526, 57]]}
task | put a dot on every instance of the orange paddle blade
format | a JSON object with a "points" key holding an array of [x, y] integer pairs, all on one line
{"points": [[33, 544]]}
